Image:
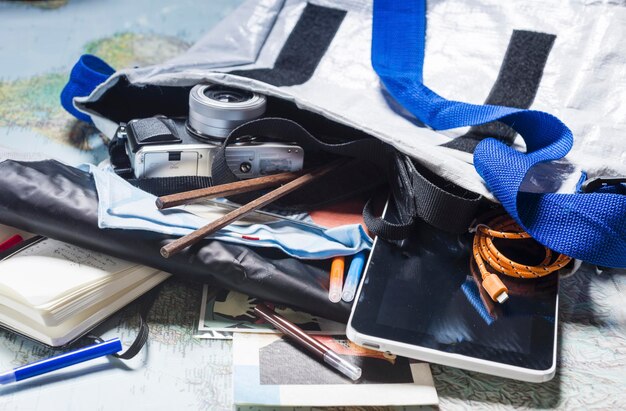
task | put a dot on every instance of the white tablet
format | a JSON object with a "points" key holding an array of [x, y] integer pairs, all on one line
{"points": [[419, 299]]}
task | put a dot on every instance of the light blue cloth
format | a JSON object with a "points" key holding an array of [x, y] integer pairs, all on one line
{"points": [[123, 206]]}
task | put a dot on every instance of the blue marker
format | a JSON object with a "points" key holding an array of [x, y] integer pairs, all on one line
{"points": [[61, 361], [354, 276]]}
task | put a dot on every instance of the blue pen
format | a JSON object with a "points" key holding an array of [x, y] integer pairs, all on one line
{"points": [[61, 361], [354, 275]]}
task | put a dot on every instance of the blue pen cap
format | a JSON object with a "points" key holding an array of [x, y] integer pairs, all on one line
{"points": [[354, 276], [7, 377]]}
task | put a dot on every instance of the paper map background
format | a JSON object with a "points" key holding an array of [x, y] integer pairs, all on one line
{"points": [[38, 46]]}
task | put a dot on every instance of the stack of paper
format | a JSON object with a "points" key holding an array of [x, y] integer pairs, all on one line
{"points": [[54, 292]]}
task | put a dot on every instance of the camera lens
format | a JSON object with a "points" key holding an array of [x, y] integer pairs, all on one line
{"points": [[227, 95], [215, 110]]}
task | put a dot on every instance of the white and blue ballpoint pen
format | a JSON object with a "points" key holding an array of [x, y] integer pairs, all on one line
{"points": [[61, 361]]}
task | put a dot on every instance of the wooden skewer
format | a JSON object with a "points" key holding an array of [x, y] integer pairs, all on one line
{"points": [[225, 189], [192, 238]]}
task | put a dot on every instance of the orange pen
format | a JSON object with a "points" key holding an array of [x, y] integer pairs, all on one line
{"points": [[336, 279]]}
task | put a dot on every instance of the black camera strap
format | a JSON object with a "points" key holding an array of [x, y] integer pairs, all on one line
{"points": [[163, 186], [119, 158], [358, 177], [419, 193]]}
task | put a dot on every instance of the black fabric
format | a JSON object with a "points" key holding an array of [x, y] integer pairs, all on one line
{"points": [[324, 129], [125, 101], [60, 202], [354, 178], [404, 195], [303, 50], [440, 202], [516, 85], [386, 229], [163, 186], [119, 157], [420, 194]]}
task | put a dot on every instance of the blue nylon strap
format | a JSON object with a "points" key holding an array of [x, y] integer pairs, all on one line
{"points": [[590, 227], [88, 72]]}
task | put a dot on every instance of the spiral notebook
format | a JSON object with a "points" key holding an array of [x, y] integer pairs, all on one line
{"points": [[55, 292]]}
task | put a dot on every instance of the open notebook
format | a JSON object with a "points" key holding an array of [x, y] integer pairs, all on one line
{"points": [[54, 292]]}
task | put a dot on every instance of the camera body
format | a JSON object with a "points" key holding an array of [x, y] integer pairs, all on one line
{"points": [[162, 147], [169, 147]]}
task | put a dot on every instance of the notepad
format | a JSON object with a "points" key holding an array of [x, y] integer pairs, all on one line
{"points": [[54, 292]]}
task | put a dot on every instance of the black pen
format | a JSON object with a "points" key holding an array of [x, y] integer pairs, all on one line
{"points": [[306, 341]]}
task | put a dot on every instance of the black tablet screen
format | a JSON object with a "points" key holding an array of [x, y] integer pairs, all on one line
{"points": [[421, 291]]}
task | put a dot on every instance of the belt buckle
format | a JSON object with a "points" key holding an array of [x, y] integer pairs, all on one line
{"points": [[593, 184]]}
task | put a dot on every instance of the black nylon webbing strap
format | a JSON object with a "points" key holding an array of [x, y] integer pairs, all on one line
{"points": [[354, 178], [404, 195], [452, 207], [383, 228], [119, 158], [163, 186], [418, 193], [516, 85]]}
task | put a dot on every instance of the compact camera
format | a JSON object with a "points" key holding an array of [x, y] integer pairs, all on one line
{"points": [[168, 147]]}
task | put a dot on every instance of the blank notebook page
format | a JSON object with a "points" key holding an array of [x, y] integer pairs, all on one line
{"points": [[52, 269]]}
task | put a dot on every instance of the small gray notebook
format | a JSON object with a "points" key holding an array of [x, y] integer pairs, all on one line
{"points": [[269, 370]]}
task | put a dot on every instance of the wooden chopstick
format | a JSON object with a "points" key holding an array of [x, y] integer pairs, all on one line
{"points": [[192, 238], [224, 190]]}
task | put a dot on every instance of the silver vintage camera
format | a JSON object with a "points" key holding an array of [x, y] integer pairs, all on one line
{"points": [[168, 147]]}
